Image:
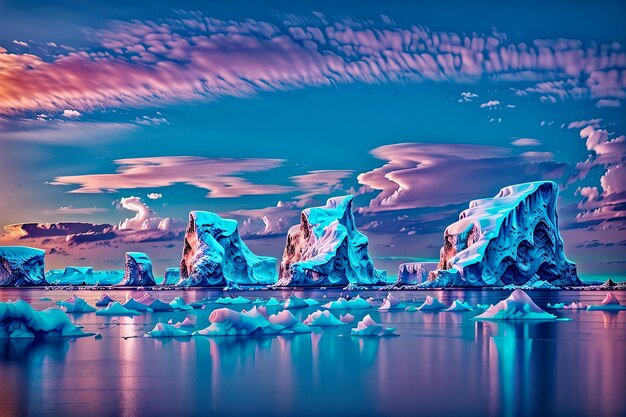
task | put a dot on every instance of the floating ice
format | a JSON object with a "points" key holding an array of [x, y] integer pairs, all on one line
{"points": [[133, 304], [431, 304], [295, 302], [116, 309], [338, 304], [289, 322], [153, 303], [232, 300], [21, 265], [45, 299], [166, 330], [227, 322], [71, 275], [311, 302], [392, 303], [346, 318], [357, 303], [187, 322], [327, 249], [19, 320], [368, 327], [179, 303], [272, 302], [610, 303], [518, 306], [104, 301], [322, 319], [458, 305], [75, 304], [108, 277], [138, 270], [563, 306]]}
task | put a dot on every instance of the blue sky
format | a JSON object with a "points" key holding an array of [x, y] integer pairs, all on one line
{"points": [[491, 94]]}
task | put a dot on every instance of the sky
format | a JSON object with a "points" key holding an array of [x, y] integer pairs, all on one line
{"points": [[118, 118]]}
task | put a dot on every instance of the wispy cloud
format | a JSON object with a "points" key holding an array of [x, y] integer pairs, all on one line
{"points": [[526, 142]]}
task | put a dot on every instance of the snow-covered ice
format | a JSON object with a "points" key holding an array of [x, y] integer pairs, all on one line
{"points": [[322, 319], [518, 306], [289, 322], [369, 328], [295, 302], [227, 322], [116, 309], [239, 300], [75, 304], [19, 320], [346, 318], [71, 275]]}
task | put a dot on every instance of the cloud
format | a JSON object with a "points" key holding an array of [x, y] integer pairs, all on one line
{"points": [[192, 57], [435, 175], [155, 196], [467, 96], [320, 182], [45, 130], [45, 230], [608, 103], [144, 219], [71, 113], [20, 43], [490, 103], [219, 176], [584, 123], [526, 142], [151, 121], [76, 210]]}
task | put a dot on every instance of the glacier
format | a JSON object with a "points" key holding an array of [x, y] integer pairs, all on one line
{"points": [[172, 276], [138, 270], [21, 265], [214, 254], [71, 275], [108, 277], [512, 238], [413, 273], [327, 249], [19, 320]]}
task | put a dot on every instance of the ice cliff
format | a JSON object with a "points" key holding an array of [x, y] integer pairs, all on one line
{"points": [[138, 270], [511, 238], [214, 254], [413, 273], [327, 249], [21, 265]]}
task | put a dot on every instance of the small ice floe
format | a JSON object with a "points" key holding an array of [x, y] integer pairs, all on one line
{"points": [[311, 302], [154, 303], [431, 304], [295, 302], [289, 322], [518, 306], [272, 302], [356, 303], [392, 303], [322, 319], [610, 303], [563, 306], [458, 305], [116, 309], [75, 304], [369, 328], [233, 300], [189, 321], [346, 318], [19, 320], [133, 304], [166, 330], [104, 301], [227, 322], [45, 299], [180, 304], [339, 304]]}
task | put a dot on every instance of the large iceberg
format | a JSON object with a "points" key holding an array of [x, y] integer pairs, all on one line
{"points": [[21, 265], [138, 271], [172, 276], [509, 239], [19, 320], [413, 273], [108, 277], [519, 306], [71, 275], [327, 249], [214, 254]]}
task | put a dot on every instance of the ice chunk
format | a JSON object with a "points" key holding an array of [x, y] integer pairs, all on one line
{"points": [[108, 277], [75, 304], [154, 303], [179, 303], [518, 306], [575, 306], [188, 322], [368, 327], [322, 319], [272, 302], [21, 265], [346, 318], [294, 302], [311, 302], [391, 303], [458, 305], [610, 303], [104, 301], [339, 304], [289, 322], [357, 303], [71, 275], [19, 320], [116, 309], [227, 322], [214, 254], [138, 270], [232, 300], [327, 249], [430, 304], [133, 304], [166, 330]]}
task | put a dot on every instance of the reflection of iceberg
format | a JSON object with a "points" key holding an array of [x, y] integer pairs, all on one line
{"points": [[116, 309], [75, 304], [19, 320], [519, 306], [610, 303], [322, 319], [368, 327]]}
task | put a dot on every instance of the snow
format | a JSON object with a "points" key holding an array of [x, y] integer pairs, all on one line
{"points": [[179, 303], [346, 318], [116, 309], [511, 238], [610, 303], [369, 328], [214, 254], [431, 304], [166, 330], [391, 303], [233, 301], [75, 304], [458, 305], [104, 301], [322, 319], [71, 275], [138, 271], [172, 276], [19, 320], [295, 302], [327, 249], [21, 265], [227, 322], [518, 306], [289, 322]]}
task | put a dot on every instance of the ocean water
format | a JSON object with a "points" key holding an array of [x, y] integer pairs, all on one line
{"points": [[442, 364]]}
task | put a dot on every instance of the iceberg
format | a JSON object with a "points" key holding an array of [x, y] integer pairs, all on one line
{"points": [[311, 302], [214, 254], [431, 304], [346, 318], [391, 303], [19, 320], [172, 276], [108, 277], [458, 305], [369, 328], [610, 303], [327, 249], [512, 238], [356, 303], [166, 330], [232, 300], [153, 303], [322, 319], [339, 304], [227, 322], [518, 306], [138, 270], [116, 309], [289, 322], [21, 265], [71, 275], [179, 303], [187, 322], [75, 304], [295, 302], [413, 273], [104, 301], [133, 304]]}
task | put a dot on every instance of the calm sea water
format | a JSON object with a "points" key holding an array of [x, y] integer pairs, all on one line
{"points": [[443, 364]]}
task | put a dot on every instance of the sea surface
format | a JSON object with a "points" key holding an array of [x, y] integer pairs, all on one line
{"points": [[443, 364]]}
